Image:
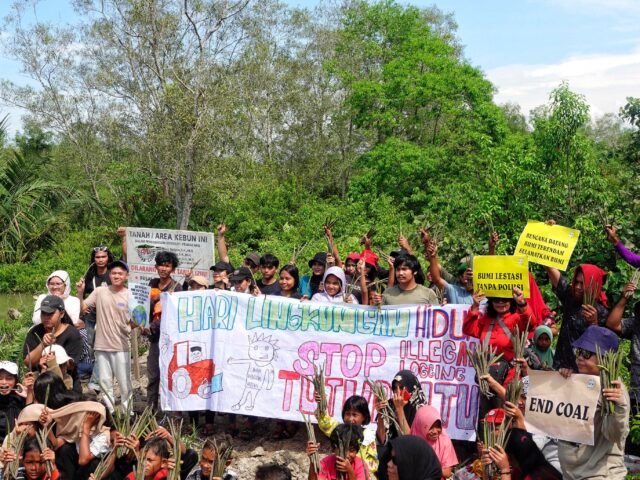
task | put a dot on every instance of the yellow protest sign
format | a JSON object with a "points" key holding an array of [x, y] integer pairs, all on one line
{"points": [[496, 276], [549, 245]]}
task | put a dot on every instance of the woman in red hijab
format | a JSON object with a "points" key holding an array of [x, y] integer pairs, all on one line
{"points": [[577, 314]]}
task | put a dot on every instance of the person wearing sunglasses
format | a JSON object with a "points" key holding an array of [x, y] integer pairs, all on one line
{"points": [[605, 458]]}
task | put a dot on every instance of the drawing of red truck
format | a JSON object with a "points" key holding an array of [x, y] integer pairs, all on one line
{"points": [[190, 373]]}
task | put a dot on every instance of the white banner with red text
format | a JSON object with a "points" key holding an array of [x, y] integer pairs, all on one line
{"points": [[233, 352]]}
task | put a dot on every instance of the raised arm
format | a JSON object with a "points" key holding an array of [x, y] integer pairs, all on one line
{"points": [[554, 276], [614, 320], [362, 273], [493, 240], [627, 255], [222, 244], [434, 265], [332, 245], [404, 244]]}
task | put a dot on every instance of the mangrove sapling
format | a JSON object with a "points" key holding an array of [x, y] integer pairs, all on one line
{"points": [[223, 455], [387, 413], [519, 341], [495, 436], [343, 451], [297, 251], [42, 436], [482, 358], [311, 436], [102, 467], [513, 391], [590, 295], [610, 365], [634, 279], [15, 442], [175, 428], [318, 382]]}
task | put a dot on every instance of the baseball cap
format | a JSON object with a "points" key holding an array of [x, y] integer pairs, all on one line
{"points": [[253, 257], [370, 258], [60, 353], [353, 256], [51, 303], [200, 280], [119, 263], [226, 266], [242, 273], [596, 337], [9, 367]]}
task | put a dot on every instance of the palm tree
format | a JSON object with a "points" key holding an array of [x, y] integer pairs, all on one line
{"points": [[31, 208]]}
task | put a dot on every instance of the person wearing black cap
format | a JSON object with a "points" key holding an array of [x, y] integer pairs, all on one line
{"points": [[242, 281], [113, 333], [311, 284], [252, 262], [221, 272], [605, 458], [55, 327]]}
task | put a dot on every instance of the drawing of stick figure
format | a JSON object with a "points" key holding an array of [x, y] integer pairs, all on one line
{"points": [[260, 374]]}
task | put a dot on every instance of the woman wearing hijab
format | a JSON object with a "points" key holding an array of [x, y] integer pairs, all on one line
{"points": [[335, 288], [542, 338], [427, 425], [59, 284], [407, 398], [577, 314], [408, 458]]}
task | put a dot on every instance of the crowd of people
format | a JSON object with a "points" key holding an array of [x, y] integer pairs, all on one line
{"points": [[61, 419]]}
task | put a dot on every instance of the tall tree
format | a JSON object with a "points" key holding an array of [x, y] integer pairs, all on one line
{"points": [[158, 68]]}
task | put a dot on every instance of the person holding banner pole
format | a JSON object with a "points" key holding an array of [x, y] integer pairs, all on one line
{"points": [[166, 263], [605, 458]]}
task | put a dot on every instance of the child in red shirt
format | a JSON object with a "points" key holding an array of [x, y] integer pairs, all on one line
{"points": [[156, 460]]}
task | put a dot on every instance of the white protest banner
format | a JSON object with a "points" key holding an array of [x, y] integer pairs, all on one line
{"points": [[139, 303], [194, 251], [233, 352], [562, 408]]}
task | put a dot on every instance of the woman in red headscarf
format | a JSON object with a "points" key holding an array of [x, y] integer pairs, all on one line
{"points": [[584, 303]]}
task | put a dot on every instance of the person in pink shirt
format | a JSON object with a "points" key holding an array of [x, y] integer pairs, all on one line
{"points": [[427, 424], [330, 465]]}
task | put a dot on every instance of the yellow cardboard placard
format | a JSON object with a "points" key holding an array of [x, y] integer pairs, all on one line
{"points": [[549, 245], [496, 275]]}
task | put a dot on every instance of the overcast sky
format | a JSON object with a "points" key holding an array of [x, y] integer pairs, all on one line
{"points": [[525, 47]]}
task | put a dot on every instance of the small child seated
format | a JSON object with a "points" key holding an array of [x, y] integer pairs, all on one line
{"points": [[428, 425], [345, 434], [33, 462], [207, 458], [156, 460]]}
